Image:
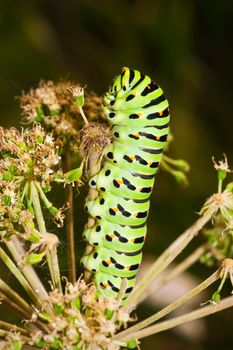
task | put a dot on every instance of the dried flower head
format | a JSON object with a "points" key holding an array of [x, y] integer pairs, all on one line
{"points": [[222, 202], [30, 154], [94, 139], [25, 157], [57, 107], [82, 320], [222, 165]]}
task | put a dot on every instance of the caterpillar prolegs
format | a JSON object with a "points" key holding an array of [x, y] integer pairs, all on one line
{"points": [[138, 113]]}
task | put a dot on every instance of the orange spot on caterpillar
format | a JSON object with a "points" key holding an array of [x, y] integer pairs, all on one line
{"points": [[160, 113], [136, 135], [112, 235], [149, 163], [108, 261], [115, 209], [158, 137], [132, 157], [120, 182], [140, 114], [132, 240]]}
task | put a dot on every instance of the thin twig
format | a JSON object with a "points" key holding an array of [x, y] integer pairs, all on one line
{"points": [[17, 251], [22, 280], [15, 297], [22, 312], [94, 168], [167, 257], [173, 306], [9, 327], [8, 292], [51, 255], [176, 271], [83, 115], [174, 322], [70, 221]]}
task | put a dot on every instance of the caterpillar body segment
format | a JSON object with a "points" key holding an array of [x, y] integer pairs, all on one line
{"points": [[111, 178], [116, 237], [138, 112]]}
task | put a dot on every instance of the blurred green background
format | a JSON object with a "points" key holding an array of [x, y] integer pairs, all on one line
{"points": [[185, 46]]}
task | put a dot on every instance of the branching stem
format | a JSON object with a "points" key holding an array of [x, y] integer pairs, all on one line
{"points": [[21, 279], [51, 255], [170, 307], [174, 272], [94, 168], [37, 292], [70, 221], [167, 257], [174, 322]]}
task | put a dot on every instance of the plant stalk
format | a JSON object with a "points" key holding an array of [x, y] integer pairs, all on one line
{"points": [[70, 221], [21, 279], [176, 271], [173, 306], [38, 290], [94, 168], [51, 255], [9, 327], [9, 293], [167, 257], [174, 322]]}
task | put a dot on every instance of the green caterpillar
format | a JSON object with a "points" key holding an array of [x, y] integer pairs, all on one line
{"points": [[138, 112]]}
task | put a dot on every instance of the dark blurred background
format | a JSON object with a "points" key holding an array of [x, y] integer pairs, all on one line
{"points": [[185, 46]]}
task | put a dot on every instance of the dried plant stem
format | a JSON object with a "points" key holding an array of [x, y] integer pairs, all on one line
{"points": [[191, 316], [83, 115], [9, 327], [8, 293], [214, 277], [22, 312], [70, 221], [17, 251], [167, 257], [4, 288], [176, 271], [51, 255], [22, 280], [94, 168]]}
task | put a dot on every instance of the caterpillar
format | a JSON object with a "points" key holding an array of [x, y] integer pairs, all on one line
{"points": [[138, 113]]}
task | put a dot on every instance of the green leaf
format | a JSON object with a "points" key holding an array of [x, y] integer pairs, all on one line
{"points": [[34, 258], [16, 345], [221, 175], [59, 308], [53, 210], [216, 297], [76, 303], [7, 176], [34, 237], [132, 344], [109, 314], [180, 177], [56, 344], [73, 175], [39, 115], [40, 343], [80, 100], [6, 200]]}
